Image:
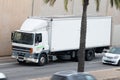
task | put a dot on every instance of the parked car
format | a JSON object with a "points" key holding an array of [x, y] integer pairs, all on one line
{"points": [[72, 75], [2, 76], [112, 56]]}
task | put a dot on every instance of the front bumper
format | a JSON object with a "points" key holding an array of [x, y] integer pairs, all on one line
{"points": [[110, 61], [25, 56]]}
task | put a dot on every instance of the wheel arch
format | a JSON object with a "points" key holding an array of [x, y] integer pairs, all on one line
{"points": [[43, 52]]}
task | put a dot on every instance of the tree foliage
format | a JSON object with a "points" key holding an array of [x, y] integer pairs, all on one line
{"points": [[116, 3], [51, 3]]}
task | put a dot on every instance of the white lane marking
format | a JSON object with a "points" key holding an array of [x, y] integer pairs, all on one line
{"points": [[2, 64], [94, 62]]}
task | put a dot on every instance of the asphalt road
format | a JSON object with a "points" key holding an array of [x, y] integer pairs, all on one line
{"points": [[15, 71]]}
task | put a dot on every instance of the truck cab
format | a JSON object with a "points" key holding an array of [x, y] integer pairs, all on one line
{"points": [[30, 45]]}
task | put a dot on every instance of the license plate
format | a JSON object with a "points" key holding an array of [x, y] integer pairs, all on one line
{"points": [[21, 58]]}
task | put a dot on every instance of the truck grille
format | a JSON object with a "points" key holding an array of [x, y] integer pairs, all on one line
{"points": [[20, 49]]}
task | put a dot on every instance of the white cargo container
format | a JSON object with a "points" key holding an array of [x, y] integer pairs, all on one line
{"points": [[41, 38]]}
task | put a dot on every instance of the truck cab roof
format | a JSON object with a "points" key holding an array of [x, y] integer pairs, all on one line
{"points": [[33, 24]]}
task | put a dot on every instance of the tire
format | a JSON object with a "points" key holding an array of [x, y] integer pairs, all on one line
{"points": [[89, 55], [21, 62], [118, 63], [42, 60]]}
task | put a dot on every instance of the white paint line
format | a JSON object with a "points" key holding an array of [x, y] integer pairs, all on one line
{"points": [[2, 64], [94, 62]]}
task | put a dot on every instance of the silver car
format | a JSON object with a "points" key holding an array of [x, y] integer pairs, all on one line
{"points": [[72, 75], [112, 56]]}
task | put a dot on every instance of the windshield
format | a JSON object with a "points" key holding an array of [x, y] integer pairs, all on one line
{"points": [[115, 50], [24, 38]]}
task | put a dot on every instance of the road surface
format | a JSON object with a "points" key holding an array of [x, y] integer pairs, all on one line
{"points": [[15, 71]]}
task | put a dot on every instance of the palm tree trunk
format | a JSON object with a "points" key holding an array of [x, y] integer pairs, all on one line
{"points": [[81, 52]]}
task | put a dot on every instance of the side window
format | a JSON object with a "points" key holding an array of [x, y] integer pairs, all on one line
{"points": [[38, 38]]}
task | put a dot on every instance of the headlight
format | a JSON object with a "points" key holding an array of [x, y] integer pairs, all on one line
{"points": [[116, 57]]}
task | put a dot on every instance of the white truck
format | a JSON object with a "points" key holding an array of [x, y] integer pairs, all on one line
{"points": [[40, 39]]}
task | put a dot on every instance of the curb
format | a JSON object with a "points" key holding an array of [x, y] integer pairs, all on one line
{"points": [[6, 59]]}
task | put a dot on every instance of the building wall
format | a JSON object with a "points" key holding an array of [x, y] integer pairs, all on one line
{"points": [[14, 12], [42, 9], [115, 25]]}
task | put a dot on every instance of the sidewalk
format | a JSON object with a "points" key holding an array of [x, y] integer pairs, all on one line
{"points": [[6, 59], [107, 74]]}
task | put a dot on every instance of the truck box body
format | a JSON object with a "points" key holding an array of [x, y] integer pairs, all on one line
{"points": [[66, 33]]}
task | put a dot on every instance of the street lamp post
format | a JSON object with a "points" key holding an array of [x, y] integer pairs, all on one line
{"points": [[32, 7]]}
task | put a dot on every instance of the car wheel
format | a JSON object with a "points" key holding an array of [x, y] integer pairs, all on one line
{"points": [[118, 63]]}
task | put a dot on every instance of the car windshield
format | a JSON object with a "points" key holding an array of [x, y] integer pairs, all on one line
{"points": [[24, 38], [115, 50]]}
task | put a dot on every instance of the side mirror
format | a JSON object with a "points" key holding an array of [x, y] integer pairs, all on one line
{"points": [[2, 76]]}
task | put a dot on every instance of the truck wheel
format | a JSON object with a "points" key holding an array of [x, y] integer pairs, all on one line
{"points": [[42, 60], [21, 62], [89, 55]]}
